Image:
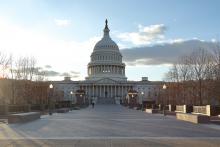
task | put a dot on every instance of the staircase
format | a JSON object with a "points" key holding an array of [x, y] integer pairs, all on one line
{"points": [[106, 100]]}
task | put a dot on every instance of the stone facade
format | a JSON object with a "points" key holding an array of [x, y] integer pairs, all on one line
{"points": [[106, 82]]}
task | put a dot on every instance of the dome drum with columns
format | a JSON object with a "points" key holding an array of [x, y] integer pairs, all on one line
{"points": [[106, 60]]}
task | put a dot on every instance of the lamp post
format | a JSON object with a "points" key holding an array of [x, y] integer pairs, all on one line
{"points": [[50, 95], [164, 87], [142, 105], [132, 99], [71, 94], [81, 98]]}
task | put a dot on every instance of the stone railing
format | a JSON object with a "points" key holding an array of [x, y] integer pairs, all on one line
{"points": [[180, 108], [206, 110], [7, 109], [3, 109], [184, 108], [200, 109], [19, 108]]}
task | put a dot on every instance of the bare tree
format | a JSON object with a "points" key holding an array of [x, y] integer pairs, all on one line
{"points": [[4, 65], [201, 62], [194, 77], [25, 68]]}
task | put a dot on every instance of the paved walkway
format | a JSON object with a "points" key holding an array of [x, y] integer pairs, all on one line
{"points": [[108, 125]]}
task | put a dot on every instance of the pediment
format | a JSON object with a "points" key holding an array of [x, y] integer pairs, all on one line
{"points": [[106, 81]]}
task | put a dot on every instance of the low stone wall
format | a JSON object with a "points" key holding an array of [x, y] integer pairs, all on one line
{"points": [[193, 118], [3, 109], [199, 109], [171, 107], [184, 108], [63, 110], [179, 108], [23, 117], [19, 108], [151, 111], [206, 110]]}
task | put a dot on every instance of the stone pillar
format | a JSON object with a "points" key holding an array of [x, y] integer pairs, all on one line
{"points": [[208, 110], [171, 107], [184, 109], [187, 109]]}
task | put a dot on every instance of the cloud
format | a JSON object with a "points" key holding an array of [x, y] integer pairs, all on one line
{"points": [[72, 74], [50, 73], [62, 55], [145, 35], [163, 54], [62, 22], [48, 66]]}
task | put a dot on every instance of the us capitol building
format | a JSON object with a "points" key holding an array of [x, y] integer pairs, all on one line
{"points": [[106, 82]]}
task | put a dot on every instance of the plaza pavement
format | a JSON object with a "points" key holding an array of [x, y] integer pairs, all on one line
{"points": [[107, 126]]}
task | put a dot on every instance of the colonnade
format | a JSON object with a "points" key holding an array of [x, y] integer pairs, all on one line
{"points": [[108, 91], [114, 69]]}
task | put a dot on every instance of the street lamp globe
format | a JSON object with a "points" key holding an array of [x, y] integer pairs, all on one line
{"points": [[164, 86], [142, 93], [51, 86]]}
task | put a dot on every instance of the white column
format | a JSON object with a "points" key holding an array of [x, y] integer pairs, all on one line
{"points": [[100, 95], [85, 89], [115, 90], [122, 94], [119, 89], [93, 90], [89, 90], [104, 90], [96, 91], [111, 90]]}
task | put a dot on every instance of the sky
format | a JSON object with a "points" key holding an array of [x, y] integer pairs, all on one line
{"points": [[151, 34]]}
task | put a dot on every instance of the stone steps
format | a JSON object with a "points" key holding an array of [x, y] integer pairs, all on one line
{"points": [[106, 100]]}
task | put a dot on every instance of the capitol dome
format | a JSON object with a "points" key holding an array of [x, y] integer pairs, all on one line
{"points": [[106, 43], [106, 59]]}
